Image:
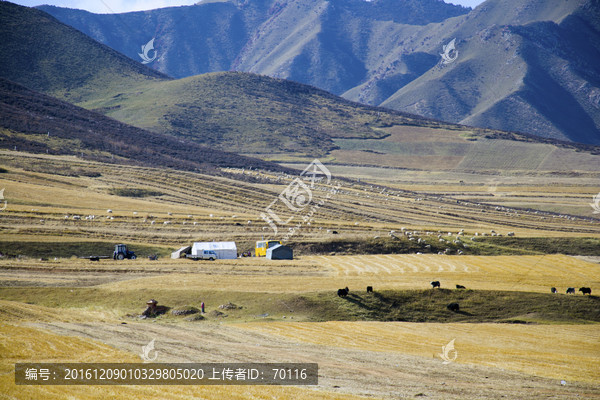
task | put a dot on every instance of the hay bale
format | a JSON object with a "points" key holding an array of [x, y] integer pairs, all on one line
{"points": [[229, 306]]}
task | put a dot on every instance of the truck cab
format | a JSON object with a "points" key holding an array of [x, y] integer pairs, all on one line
{"points": [[263, 245], [204, 255]]}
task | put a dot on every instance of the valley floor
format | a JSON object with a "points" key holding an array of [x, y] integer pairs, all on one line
{"points": [[513, 338]]}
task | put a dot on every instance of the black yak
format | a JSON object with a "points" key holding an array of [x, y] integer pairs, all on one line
{"points": [[553, 290], [571, 290], [585, 290], [435, 284], [460, 287], [453, 307], [369, 289], [343, 292]]}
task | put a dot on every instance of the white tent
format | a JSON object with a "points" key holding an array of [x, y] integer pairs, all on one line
{"points": [[224, 250], [181, 252]]}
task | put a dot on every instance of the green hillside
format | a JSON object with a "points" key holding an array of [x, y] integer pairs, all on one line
{"points": [[46, 55], [36, 123], [249, 113]]}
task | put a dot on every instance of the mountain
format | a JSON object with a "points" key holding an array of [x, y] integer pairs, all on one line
{"points": [[231, 35], [33, 122], [256, 115], [529, 66], [242, 112], [522, 65]]}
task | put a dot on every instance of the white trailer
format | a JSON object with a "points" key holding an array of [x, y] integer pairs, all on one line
{"points": [[223, 250]]}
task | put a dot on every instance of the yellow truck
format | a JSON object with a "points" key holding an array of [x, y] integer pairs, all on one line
{"points": [[263, 245]]}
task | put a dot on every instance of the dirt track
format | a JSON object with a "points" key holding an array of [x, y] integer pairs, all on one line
{"points": [[359, 372]]}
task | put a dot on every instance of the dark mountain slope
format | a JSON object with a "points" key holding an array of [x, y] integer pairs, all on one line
{"points": [[540, 77], [32, 55]]}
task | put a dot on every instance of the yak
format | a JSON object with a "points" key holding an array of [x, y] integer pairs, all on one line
{"points": [[585, 290]]}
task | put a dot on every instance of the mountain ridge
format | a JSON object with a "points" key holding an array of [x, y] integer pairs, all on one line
{"points": [[387, 54]]}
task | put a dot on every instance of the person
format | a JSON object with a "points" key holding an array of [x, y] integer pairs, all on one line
{"points": [[202, 307]]}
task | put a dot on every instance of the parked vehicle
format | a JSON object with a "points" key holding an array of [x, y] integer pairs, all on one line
{"points": [[263, 245], [203, 255], [121, 252]]}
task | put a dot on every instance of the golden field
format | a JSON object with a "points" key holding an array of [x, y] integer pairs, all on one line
{"points": [[62, 308]]}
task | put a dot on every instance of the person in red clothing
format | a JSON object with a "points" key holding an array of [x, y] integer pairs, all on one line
{"points": [[202, 307]]}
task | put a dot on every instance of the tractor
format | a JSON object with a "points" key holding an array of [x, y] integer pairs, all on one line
{"points": [[121, 253]]}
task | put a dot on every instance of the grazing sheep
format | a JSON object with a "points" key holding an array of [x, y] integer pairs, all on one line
{"points": [[553, 290], [585, 290], [369, 289], [435, 284], [571, 290], [453, 307], [460, 287]]}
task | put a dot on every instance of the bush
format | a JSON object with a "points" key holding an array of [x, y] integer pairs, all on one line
{"points": [[134, 192]]}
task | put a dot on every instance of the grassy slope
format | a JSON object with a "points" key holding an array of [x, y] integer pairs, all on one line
{"points": [[39, 123], [41, 53], [248, 113], [277, 119], [408, 306]]}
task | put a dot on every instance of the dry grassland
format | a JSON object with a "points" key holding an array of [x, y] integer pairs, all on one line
{"points": [[570, 352], [374, 359], [317, 273]]}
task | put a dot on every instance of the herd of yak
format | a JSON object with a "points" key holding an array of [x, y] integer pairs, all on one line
{"points": [[454, 306]]}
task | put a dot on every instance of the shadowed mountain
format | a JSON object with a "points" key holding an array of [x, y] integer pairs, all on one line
{"points": [[43, 54]]}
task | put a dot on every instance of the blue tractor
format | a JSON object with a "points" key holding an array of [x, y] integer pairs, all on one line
{"points": [[122, 253]]}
